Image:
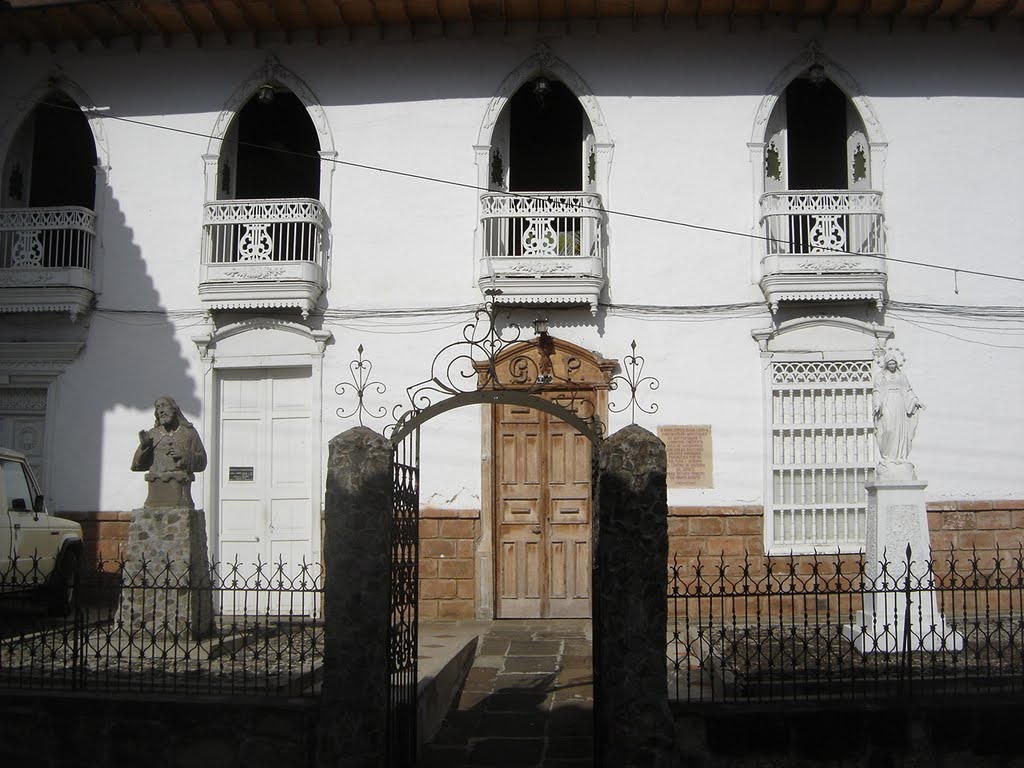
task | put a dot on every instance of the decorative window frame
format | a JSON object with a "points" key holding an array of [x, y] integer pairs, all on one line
{"points": [[234, 346], [272, 71], [543, 62], [878, 146], [58, 80], [808, 339]]}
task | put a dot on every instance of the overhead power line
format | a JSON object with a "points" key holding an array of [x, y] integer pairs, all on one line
{"points": [[476, 188]]}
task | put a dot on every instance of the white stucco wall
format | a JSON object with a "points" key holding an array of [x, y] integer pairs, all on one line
{"points": [[680, 108]]}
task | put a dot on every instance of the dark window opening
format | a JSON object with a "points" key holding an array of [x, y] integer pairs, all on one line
{"points": [[277, 149], [816, 123], [546, 139], [63, 156]]}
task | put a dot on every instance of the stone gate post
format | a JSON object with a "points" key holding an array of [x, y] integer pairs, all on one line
{"points": [[357, 557], [634, 728]]}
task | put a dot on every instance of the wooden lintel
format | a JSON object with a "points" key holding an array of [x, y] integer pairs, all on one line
{"points": [[189, 22], [24, 41], [279, 22], [82, 19], [250, 22], [219, 22], [408, 18], [374, 13], [121, 21], [154, 23], [340, 8], [1001, 13], [40, 33], [961, 14]]}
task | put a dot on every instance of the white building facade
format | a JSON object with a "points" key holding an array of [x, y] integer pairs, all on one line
{"points": [[761, 204]]}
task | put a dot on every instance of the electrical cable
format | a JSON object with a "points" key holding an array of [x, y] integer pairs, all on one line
{"points": [[477, 188]]}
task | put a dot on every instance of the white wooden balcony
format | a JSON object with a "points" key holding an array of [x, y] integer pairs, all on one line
{"points": [[542, 248], [46, 259], [823, 245], [264, 254]]}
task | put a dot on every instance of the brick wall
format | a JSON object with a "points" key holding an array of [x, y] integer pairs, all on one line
{"points": [[104, 535], [447, 543], [971, 528]]}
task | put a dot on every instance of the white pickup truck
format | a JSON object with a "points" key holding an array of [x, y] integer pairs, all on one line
{"points": [[37, 551]]}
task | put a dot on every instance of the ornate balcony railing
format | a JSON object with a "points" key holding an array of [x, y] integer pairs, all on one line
{"points": [[264, 253], [46, 259], [823, 244], [542, 248]]}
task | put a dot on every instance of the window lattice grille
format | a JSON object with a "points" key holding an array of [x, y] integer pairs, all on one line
{"points": [[822, 452]]}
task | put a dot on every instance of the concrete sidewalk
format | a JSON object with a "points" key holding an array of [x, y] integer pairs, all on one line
{"points": [[527, 699]]}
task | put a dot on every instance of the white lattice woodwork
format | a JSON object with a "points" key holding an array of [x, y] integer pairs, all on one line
{"points": [[822, 453]]}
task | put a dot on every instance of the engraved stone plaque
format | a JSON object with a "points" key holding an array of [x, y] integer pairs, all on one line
{"points": [[689, 455]]}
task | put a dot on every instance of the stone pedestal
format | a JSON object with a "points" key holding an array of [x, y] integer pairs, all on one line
{"points": [[166, 587], [896, 520]]}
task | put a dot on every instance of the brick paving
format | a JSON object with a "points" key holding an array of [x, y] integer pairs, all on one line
{"points": [[527, 701]]}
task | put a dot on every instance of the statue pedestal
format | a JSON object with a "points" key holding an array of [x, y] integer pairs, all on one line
{"points": [[892, 614], [165, 587]]}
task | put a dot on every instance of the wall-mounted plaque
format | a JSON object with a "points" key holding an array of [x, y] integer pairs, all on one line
{"points": [[244, 474], [689, 455]]}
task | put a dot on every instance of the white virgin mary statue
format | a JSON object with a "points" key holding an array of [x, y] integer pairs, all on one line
{"points": [[895, 410]]}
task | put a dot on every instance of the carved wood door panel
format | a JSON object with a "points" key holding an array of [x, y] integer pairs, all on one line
{"points": [[543, 510]]}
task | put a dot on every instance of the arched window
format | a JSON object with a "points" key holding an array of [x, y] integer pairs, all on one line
{"points": [[47, 208], [265, 224], [819, 196], [816, 139], [271, 150], [52, 159], [544, 138]]}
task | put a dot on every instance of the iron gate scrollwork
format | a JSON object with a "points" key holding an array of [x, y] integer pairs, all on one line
{"points": [[404, 597], [488, 365]]}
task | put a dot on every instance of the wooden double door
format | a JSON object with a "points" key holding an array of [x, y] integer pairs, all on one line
{"points": [[543, 512]]}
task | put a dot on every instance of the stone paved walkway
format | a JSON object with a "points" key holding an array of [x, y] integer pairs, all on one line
{"points": [[527, 701]]}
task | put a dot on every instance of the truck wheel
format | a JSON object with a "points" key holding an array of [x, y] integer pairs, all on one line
{"points": [[64, 584]]}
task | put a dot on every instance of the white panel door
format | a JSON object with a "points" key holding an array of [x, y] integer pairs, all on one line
{"points": [[266, 509]]}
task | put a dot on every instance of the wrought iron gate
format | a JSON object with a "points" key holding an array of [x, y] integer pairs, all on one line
{"points": [[404, 595]]}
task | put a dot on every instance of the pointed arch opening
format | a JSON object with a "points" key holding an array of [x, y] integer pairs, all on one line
{"points": [[48, 198], [819, 155], [544, 156], [266, 242]]}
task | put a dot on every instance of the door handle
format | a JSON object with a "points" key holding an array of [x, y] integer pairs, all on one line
{"points": [[536, 531], [17, 526]]}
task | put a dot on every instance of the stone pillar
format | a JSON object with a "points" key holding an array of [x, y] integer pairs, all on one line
{"points": [[166, 588], [357, 558], [897, 519], [634, 728]]}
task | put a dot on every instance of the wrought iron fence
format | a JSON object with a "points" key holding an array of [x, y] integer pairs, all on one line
{"points": [[838, 628], [133, 626]]}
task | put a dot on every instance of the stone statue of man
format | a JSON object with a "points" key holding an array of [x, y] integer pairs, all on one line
{"points": [[170, 454], [895, 409]]}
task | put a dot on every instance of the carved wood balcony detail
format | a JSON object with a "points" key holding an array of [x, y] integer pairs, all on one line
{"points": [[823, 245], [46, 260], [542, 248], [264, 254]]}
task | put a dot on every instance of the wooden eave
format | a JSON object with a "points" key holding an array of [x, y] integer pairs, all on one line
{"points": [[26, 23]]}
